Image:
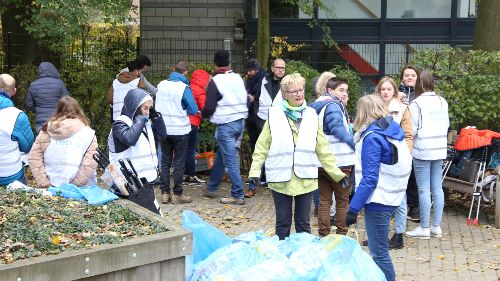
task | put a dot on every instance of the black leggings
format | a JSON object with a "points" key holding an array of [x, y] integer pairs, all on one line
{"points": [[283, 205]]}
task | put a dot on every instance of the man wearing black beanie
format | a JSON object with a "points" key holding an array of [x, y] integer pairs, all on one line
{"points": [[227, 107]]}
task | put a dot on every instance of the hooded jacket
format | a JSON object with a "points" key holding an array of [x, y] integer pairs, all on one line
{"points": [[376, 149], [60, 130], [44, 93], [253, 88], [21, 133], [198, 82]]}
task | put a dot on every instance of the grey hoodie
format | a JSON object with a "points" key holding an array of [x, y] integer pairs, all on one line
{"points": [[44, 93]]}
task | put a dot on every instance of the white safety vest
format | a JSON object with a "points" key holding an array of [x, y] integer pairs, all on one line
{"points": [[265, 101], [10, 156], [233, 105], [396, 110], [344, 154], [169, 103], [62, 158], [430, 141], [392, 179], [120, 90], [285, 156], [142, 154]]}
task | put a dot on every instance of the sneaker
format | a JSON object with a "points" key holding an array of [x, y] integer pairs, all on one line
{"points": [[181, 199], [250, 193], [263, 183], [333, 221], [365, 243], [396, 242], [195, 180], [232, 201], [210, 194], [165, 197], [420, 233], [436, 231], [414, 214]]}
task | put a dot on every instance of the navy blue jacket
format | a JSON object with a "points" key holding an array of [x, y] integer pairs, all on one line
{"points": [[44, 93], [376, 149]]}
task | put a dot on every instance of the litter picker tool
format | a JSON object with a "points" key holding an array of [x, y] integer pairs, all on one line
{"points": [[478, 189]]}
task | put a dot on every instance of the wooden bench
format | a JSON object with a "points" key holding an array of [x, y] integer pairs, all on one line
{"points": [[467, 187]]}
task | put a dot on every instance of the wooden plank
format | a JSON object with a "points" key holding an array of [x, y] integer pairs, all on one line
{"points": [[458, 185]]}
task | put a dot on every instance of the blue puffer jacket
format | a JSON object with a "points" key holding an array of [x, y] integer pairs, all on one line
{"points": [[22, 134], [44, 93], [376, 149], [333, 122]]}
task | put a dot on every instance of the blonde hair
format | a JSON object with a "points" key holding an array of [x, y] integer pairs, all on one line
{"points": [[369, 109], [378, 90], [291, 79], [67, 108], [322, 82]]}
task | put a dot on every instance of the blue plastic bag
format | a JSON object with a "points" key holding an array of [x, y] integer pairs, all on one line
{"points": [[93, 194]]}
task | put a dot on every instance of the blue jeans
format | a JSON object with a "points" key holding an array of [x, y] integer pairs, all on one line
{"points": [[400, 217], [316, 198], [227, 136], [377, 228], [191, 152], [428, 175]]}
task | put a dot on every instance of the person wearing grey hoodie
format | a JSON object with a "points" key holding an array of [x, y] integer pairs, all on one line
{"points": [[44, 93]]}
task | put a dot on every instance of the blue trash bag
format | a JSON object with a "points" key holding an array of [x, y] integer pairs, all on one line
{"points": [[230, 263], [347, 261], [93, 194], [249, 237], [68, 190], [307, 261]]}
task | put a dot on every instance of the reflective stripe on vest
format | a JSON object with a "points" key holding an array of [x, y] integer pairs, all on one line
{"points": [[10, 158], [392, 180], [430, 142], [142, 154], [344, 154], [283, 155], [265, 101], [63, 158], [120, 90], [233, 105], [169, 104]]}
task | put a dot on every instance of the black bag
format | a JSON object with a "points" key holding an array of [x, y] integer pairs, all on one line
{"points": [[145, 197], [470, 170]]}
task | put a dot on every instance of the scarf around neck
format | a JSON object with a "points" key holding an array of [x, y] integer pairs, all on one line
{"points": [[293, 112]]}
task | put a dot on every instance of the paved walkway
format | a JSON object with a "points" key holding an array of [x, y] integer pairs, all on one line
{"points": [[463, 253]]}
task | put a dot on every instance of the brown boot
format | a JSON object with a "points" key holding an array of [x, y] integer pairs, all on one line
{"points": [[181, 199], [232, 201], [250, 193], [165, 198]]}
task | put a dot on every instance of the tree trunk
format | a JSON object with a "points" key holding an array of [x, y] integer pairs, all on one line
{"points": [[487, 33], [263, 36]]}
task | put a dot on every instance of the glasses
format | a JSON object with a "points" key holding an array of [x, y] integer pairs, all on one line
{"points": [[295, 93], [279, 67]]}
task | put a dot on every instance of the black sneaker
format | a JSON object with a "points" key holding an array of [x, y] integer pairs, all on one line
{"points": [[396, 242], [414, 214], [332, 221], [196, 180]]}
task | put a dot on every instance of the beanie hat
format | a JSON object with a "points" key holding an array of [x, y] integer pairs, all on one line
{"points": [[253, 64], [221, 58]]}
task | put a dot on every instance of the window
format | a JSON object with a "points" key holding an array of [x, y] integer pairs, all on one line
{"points": [[467, 8], [352, 9], [280, 10], [418, 9]]}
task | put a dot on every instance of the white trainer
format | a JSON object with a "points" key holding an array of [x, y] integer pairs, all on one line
{"points": [[420, 233], [436, 231]]}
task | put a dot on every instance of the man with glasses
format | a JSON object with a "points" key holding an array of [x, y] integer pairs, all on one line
{"points": [[269, 95]]}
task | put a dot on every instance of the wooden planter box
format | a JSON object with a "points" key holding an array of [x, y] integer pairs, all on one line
{"points": [[148, 258]]}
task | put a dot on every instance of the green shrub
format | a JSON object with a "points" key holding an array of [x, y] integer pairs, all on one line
{"points": [[469, 81]]}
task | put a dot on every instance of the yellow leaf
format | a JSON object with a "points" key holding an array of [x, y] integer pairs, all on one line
{"points": [[55, 240], [441, 257]]}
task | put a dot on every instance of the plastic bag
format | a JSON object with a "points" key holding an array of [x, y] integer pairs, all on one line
{"points": [[93, 194]]}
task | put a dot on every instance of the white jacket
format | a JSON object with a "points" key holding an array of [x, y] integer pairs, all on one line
{"points": [[265, 101]]}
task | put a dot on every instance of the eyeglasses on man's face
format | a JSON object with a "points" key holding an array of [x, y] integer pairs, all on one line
{"points": [[296, 92]]}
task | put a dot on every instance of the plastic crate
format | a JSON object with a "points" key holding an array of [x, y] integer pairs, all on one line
{"points": [[204, 161]]}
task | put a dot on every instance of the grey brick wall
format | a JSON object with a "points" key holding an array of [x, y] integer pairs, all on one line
{"points": [[204, 23]]}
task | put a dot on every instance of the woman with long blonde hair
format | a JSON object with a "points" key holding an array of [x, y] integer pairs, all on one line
{"points": [[63, 151], [383, 165]]}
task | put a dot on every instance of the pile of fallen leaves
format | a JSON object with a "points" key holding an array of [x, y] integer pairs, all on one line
{"points": [[32, 225]]}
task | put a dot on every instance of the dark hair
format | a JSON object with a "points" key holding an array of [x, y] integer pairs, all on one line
{"points": [[334, 82], [181, 66], [221, 58], [425, 82], [133, 65], [408, 67], [143, 60]]}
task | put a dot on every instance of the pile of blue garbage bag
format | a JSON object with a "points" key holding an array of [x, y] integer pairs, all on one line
{"points": [[254, 256]]}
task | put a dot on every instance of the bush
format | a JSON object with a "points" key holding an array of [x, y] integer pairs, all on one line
{"points": [[469, 81]]}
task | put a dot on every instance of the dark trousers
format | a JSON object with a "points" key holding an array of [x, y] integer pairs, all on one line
{"points": [[327, 186], [283, 205], [174, 150], [191, 151], [412, 191], [253, 132]]}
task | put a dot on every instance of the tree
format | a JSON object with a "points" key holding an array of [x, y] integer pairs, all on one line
{"points": [[44, 27], [263, 43], [487, 33]]}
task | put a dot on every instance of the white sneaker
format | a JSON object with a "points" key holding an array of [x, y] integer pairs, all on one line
{"points": [[436, 231], [420, 233]]}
